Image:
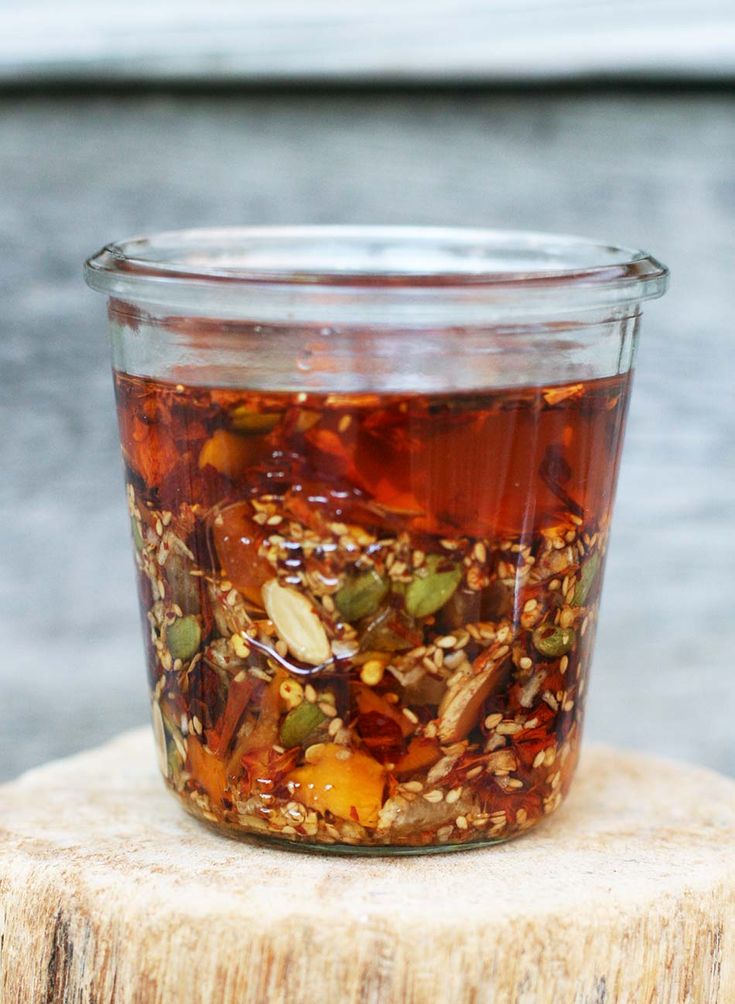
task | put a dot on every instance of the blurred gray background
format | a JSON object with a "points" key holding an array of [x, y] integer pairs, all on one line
{"points": [[650, 165]]}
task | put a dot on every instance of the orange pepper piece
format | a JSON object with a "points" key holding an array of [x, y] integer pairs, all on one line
{"points": [[368, 700], [207, 770], [237, 539], [228, 453], [421, 754], [349, 788]]}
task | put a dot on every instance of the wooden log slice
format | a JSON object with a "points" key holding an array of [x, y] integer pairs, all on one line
{"points": [[111, 894]]}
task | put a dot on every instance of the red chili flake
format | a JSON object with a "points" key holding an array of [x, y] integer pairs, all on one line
{"points": [[381, 735]]}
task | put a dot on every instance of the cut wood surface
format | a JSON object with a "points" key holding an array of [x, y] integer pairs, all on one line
{"points": [[110, 893]]}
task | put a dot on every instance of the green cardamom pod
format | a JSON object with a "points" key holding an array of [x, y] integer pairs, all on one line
{"points": [[300, 722], [587, 576], [183, 637], [433, 586], [361, 595], [552, 641]]}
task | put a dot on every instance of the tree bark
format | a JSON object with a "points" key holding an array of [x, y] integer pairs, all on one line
{"points": [[111, 894]]}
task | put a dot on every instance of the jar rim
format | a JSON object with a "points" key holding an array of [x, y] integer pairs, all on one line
{"points": [[327, 264]]}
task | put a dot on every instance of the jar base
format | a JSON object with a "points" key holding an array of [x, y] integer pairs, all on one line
{"points": [[302, 846]]}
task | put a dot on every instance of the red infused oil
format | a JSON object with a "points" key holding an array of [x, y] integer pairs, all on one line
{"points": [[369, 617]]}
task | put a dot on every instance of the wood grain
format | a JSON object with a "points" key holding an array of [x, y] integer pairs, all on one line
{"points": [[110, 893]]}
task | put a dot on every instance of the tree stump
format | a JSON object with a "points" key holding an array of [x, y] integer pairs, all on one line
{"points": [[111, 894]]}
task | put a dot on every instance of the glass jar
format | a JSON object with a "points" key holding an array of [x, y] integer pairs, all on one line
{"points": [[370, 474]]}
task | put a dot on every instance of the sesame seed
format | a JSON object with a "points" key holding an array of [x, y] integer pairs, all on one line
{"points": [[461, 822], [549, 698], [508, 728], [310, 693], [492, 721], [411, 716], [566, 618], [296, 811], [453, 660], [414, 786], [313, 752], [453, 796], [525, 662], [434, 795]]}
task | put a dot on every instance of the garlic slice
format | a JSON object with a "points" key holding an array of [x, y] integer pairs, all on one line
{"points": [[297, 623]]}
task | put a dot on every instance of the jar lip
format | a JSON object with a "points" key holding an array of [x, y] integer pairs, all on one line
{"points": [[393, 263]]}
